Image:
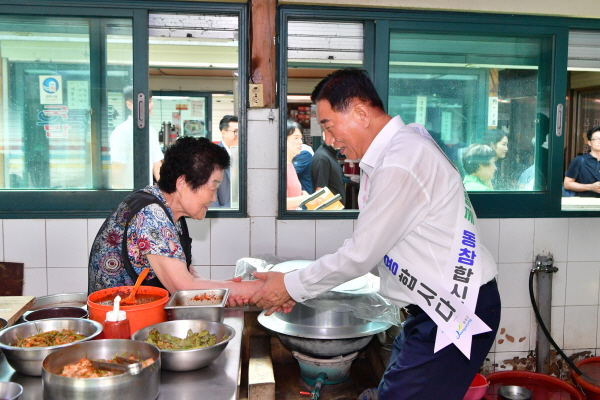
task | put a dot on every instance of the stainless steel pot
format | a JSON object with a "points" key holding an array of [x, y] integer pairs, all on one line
{"points": [[142, 386]]}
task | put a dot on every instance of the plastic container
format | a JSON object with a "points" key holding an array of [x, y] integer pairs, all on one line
{"points": [[140, 316], [542, 386], [477, 388], [116, 325], [590, 367]]}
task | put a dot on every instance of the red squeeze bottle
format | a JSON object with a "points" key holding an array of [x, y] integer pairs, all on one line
{"points": [[116, 325]]}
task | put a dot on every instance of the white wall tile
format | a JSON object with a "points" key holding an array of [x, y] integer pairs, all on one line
{"points": [[200, 234], [67, 243], [581, 323], [25, 241], [230, 240], [262, 235], [330, 235], [296, 239], [516, 240], [1, 241], [489, 229], [583, 281], [559, 284], [557, 325], [583, 239], [66, 280], [551, 236], [202, 270], [514, 331], [221, 272], [513, 284], [263, 144], [262, 192], [35, 282], [93, 226]]}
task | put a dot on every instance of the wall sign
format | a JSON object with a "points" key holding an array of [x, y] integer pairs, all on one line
{"points": [[51, 89]]}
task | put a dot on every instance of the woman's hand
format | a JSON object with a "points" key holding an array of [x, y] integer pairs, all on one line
{"points": [[240, 292]]}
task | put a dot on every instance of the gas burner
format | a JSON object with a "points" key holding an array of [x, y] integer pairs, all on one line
{"points": [[331, 371]]}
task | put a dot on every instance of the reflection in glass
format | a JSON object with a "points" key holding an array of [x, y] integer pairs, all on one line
{"points": [[584, 109], [469, 89], [314, 50], [194, 62], [48, 137]]}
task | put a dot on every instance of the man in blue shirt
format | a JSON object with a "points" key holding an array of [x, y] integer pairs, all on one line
{"points": [[583, 175]]}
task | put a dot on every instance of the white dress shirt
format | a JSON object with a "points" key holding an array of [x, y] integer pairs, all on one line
{"points": [[408, 200]]}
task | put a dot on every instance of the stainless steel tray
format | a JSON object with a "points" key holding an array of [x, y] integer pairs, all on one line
{"points": [[206, 304]]}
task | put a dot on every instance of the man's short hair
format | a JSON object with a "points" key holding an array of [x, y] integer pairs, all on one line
{"points": [[128, 93], [224, 124], [590, 133], [476, 155], [341, 87]]}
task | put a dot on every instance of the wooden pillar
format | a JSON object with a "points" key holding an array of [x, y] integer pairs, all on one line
{"points": [[262, 42]]}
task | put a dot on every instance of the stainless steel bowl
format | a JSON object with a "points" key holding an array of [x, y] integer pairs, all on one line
{"points": [[511, 392], [142, 386], [28, 360], [56, 312], [187, 360], [207, 304], [10, 390]]}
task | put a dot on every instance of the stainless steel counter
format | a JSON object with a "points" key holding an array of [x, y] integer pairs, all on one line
{"points": [[218, 381]]}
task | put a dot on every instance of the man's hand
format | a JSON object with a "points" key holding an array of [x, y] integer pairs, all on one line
{"points": [[273, 295]]}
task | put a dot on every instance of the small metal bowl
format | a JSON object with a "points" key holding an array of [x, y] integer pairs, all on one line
{"points": [[187, 360], [512, 392], [10, 390], [28, 360], [56, 312]]}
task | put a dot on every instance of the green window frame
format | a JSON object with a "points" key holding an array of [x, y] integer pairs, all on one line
{"points": [[32, 204], [554, 32]]}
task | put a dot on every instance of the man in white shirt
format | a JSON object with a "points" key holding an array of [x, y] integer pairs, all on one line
{"points": [[411, 204], [121, 148], [229, 138]]}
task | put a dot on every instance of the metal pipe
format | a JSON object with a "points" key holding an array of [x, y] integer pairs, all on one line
{"points": [[544, 268]]}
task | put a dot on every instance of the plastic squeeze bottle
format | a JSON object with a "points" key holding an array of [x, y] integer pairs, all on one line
{"points": [[116, 325]]}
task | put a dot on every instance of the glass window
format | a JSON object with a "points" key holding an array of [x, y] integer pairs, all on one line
{"points": [[581, 153], [315, 49], [51, 139], [194, 62], [479, 97]]}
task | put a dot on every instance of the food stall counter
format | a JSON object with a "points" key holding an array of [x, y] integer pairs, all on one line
{"points": [[218, 381]]}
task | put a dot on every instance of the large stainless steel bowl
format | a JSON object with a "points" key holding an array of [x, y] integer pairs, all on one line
{"points": [[142, 386], [187, 360], [28, 360]]}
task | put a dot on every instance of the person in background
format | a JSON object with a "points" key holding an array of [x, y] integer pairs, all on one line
{"points": [[294, 193], [413, 213], [497, 139], [326, 171], [148, 229], [480, 167], [302, 166], [229, 138], [583, 176], [121, 147]]}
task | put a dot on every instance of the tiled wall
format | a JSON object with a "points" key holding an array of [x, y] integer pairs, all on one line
{"points": [[55, 253]]}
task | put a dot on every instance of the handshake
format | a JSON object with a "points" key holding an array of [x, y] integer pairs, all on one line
{"points": [[268, 292]]}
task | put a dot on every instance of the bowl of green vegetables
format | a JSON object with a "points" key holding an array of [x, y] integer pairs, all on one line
{"points": [[187, 344]]}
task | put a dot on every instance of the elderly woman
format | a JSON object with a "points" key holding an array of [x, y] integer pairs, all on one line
{"points": [[479, 164], [148, 229]]}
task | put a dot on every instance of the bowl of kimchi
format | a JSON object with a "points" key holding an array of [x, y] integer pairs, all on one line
{"points": [[26, 345]]}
